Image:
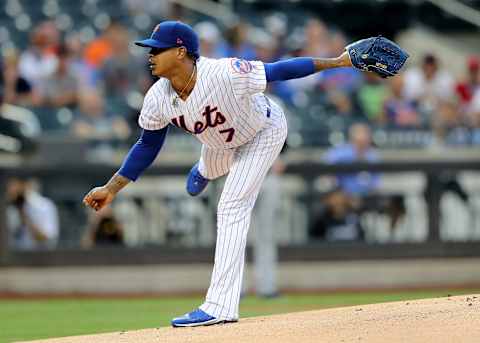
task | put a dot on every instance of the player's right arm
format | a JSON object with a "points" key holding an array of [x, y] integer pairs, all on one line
{"points": [[140, 156], [99, 197]]}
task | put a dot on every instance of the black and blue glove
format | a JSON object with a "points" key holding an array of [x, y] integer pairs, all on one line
{"points": [[377, 54]]}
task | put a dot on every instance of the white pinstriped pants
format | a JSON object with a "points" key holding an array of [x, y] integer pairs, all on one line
{"points": [[247, 166]]}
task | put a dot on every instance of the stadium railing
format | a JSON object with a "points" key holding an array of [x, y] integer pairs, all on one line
{"points": [[76, 179]]}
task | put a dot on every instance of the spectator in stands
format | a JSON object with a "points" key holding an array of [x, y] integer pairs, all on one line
{"points": [[99, 49], [358, 149], [470, 95], [313, 41], [276, 25], [210, 39], [122, 73], [50, 29], [77, 64], [92, 121], [398, 111], [61, 88], [104, 230], [344, 108], [466, 88], [432, 88], [266, 48], [448, 119], [39, 61], [17, 90], [236, 42], [317, 39], [332, 87], [346, 80], [428, 85], [339, 217], [473, 115], [102, 48], [32, 219], [371, 96]]}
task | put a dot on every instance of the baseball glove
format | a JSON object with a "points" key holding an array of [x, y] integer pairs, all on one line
{"points": [[378, 55]]}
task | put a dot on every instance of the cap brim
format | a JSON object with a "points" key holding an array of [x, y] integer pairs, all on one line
{"points": [[152, 43]]}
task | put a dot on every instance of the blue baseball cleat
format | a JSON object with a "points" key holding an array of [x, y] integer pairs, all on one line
{"points": [[197, 318], [196, 183]]}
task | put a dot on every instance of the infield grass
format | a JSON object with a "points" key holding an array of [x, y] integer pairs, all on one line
{"points": [[35, 319]]}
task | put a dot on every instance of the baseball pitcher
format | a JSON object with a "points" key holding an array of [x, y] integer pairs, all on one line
{"points": [[221, 102]]}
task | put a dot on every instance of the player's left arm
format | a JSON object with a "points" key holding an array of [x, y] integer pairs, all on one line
{"points": [[328, 63], [298, 67], [375, 54]]}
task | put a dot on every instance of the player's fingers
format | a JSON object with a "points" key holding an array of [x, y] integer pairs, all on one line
{"points": [[90, 203], [98, 205], [88, 197], [94, 200], [87, 201], [97, 195]]}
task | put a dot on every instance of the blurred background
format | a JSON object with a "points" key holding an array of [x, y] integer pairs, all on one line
{"points": [[378, 186]]}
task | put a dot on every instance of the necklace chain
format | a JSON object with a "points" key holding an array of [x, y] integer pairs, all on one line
{"points": [[179, 96]]}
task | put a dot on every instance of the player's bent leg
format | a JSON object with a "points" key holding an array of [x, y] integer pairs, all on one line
{"points": [[196, 183], [213, 164]]}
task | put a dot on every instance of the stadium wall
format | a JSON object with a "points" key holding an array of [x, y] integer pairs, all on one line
{"points": [[195, 278]]}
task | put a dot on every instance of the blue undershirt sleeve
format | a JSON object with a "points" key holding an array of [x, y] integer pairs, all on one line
{"points": [[143, 153], [293, 68]]}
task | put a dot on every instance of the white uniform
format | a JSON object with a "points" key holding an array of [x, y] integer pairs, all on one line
{"points": [[242, 132]]}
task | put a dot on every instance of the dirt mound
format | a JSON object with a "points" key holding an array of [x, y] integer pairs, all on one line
{"points": [[450, 319]]}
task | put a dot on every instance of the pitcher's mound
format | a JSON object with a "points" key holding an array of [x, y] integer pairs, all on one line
{"points": [[450, 319]]}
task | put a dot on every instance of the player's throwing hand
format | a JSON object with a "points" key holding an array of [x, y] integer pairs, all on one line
{"points": [[98, 198]]}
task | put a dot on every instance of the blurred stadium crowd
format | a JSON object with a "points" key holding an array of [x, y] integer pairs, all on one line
{"points": [[70, 68]]}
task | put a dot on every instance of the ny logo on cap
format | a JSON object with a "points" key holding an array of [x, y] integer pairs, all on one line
{"points": [[179, 41]]}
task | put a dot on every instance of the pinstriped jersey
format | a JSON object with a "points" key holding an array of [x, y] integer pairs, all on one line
{"points": [[225, 109]]}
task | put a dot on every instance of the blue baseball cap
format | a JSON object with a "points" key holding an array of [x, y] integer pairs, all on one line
{"points": [[169, 34]]}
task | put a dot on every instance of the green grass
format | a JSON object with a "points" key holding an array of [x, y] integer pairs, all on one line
{"points": [[36, 319]]}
